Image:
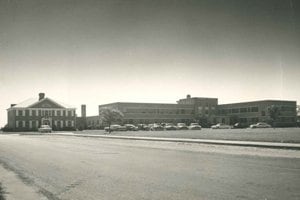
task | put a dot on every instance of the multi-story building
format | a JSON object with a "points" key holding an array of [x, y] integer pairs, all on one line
{"points": [[186, 110], [32, 113], [258, 111], [206, 111]]}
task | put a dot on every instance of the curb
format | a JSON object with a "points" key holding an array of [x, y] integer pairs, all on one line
{"points": [[273, 145]]}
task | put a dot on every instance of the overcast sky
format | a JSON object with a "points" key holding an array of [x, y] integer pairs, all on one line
{"points": [[96, 52]]}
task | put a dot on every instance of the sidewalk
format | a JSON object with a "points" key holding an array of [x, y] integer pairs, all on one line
{"points": [[274, 145]]}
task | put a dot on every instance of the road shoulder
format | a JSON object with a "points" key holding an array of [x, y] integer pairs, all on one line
{"points": [[15, 188]]}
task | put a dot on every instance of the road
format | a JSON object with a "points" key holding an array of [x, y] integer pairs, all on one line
{"points": [[61, 167]]}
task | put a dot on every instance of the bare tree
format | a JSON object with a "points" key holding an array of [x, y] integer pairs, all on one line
{"points": [[110, 115]]}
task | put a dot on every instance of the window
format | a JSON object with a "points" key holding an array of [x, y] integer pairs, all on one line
{"points": [[254, 109], [58, 113], [235, 110], [243, 110], [263, 113], [33, 113]]}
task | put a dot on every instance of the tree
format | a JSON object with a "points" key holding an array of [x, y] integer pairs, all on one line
{"points": [[110, 115], [274, 112]]}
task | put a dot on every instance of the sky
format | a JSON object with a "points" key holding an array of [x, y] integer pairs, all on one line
{"points": [[95, 52]]}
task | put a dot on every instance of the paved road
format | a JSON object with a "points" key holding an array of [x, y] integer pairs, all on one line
{"points": [[291, 135], [62, 167]]}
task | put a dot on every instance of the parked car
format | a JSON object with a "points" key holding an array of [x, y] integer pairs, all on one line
{"points": [[131, 127], [115, 127], [45, 129], [170, 126], [260, 125], [156, 127], [182, 126], [143, 127], [220, 126], [194, 126], [240, 125]]}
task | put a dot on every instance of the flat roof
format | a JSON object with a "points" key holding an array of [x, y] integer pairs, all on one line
{"points": [[259, 101]]}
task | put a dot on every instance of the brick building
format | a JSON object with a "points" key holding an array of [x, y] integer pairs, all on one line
{"points": [[257, 111], [186, 110], [29, 115], [206, 111]]}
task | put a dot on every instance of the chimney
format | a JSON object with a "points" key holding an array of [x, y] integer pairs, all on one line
{"points": [[12, 105], [83, 110], [188, 96], [41, 96]]}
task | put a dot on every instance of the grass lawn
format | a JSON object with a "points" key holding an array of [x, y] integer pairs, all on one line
{"points": [[289, 135]]}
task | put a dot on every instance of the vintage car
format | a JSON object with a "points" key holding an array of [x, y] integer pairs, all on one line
{"points": [[220, 126], [170, 126], [182, 126], [194, 126], [260, 125], [115, 127], [45, 129]]}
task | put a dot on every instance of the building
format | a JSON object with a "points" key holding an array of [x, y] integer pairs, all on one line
{"points": [[29, 115], [186, 110], [258, 111], [205, 111]]}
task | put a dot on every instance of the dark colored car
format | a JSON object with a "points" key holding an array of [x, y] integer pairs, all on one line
{"points": [[131, 127], [240, 125]]}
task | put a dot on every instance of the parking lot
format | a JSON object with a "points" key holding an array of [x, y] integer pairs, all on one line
{"points": [[290, 135]]}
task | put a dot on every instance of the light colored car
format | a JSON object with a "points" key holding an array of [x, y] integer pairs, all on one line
{"points": [[260, 125], [182, 126], [115, 127], [220, 126], [170, 126], [156, 127], [45, 129], [194, 126]]}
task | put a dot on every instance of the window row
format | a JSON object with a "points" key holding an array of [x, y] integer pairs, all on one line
{"points": [[64, 113], [237, 110], [160, 111], [36, 124]]}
